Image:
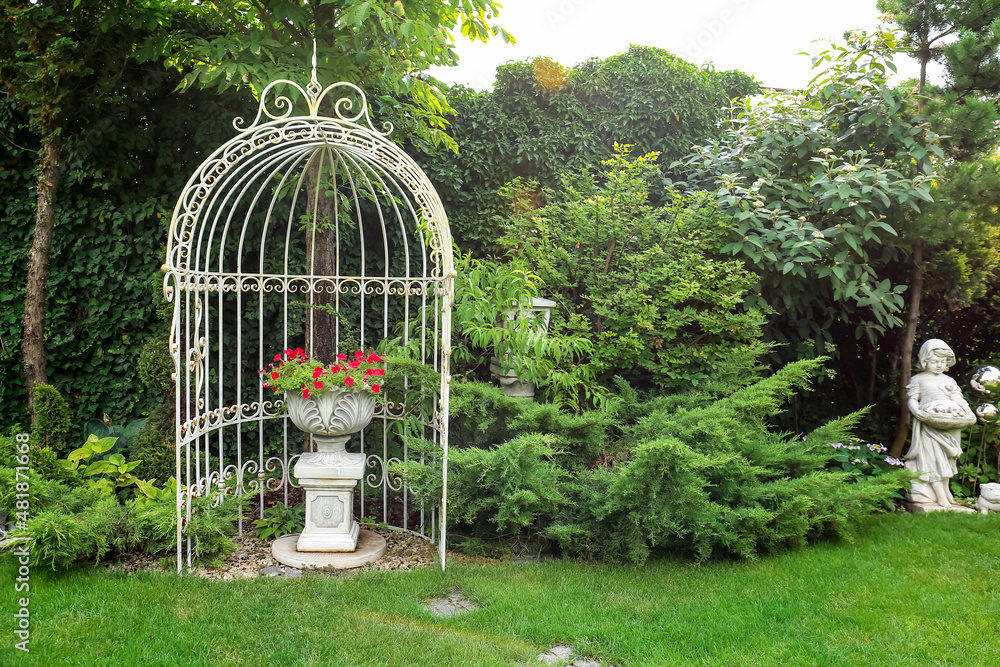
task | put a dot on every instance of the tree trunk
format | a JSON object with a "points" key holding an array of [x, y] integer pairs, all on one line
{"points": [[33, 341], [872, 374], [906, 354], [321, 260]]}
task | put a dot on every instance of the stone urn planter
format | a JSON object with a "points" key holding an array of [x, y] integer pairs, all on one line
{"points": [[331, 473], [509, 382]]}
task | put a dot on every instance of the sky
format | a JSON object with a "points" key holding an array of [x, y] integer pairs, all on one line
{"points": [[759, 37]]}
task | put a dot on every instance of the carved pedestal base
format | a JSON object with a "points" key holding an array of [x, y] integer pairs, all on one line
{"points": [[329, 480]]}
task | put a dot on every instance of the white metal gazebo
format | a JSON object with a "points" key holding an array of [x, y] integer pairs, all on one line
{"points": [[313, 231]]}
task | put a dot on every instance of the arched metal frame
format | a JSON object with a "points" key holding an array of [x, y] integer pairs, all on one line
{"points": [[239, 278]]}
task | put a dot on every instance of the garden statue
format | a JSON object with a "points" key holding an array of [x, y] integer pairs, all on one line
{"points": [[939, 413], [989, 498]]}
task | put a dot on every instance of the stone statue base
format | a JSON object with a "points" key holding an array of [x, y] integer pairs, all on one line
{"points": [[921, 508]]}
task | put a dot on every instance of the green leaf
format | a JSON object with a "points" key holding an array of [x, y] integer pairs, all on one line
{"points": [[100, 468]]}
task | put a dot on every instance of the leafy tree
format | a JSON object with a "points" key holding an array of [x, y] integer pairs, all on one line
{"points": [[953, 259], [62, 61], [811, 181], [637, 279], [383, 46], [542, 120]]}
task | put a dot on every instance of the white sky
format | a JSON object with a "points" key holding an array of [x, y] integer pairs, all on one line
{"points": [[759, 37]]}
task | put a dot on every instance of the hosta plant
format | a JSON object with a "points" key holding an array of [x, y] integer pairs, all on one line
{"points": [[107, 475], [280, 520]]}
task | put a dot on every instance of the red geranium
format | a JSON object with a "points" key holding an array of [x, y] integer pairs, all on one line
{"points": [[294, 371]]}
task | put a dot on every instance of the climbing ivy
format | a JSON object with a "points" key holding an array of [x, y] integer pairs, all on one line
{"points": [[122, 173]]}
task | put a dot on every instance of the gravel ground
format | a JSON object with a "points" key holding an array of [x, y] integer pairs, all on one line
{"points": [[253, 559]]}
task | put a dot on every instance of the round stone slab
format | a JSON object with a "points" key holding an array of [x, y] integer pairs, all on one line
{"points": [[371, 547]]}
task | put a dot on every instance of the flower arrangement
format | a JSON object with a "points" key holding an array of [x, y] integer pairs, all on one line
{"points": [[294, 372]]}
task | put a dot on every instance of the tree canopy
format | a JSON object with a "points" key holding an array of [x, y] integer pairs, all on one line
{"points": [[383, 46], [542, 119]]}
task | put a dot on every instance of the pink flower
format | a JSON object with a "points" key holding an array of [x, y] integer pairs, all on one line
{"points": [[318, 384], [267, 386], [342, 356], [375, 389], [305, 393], [354, 364], [348, 381]]}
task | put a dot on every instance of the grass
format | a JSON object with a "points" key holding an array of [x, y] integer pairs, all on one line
{"points": [[913, 590]]}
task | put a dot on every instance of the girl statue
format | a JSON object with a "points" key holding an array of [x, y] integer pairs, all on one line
{"points": [[939, 413]]}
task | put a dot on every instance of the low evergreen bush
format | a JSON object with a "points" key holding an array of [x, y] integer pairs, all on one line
{"points": [[695, 474], [51, 428]]}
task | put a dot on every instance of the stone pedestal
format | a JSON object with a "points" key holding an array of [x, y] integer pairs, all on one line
{"points": [[329, 477]]}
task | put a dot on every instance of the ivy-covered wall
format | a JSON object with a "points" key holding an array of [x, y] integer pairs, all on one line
{"points": [[121, 176]]}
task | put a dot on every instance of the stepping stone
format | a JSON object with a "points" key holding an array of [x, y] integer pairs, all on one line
{"points": [[454, 604], [556, 655]]}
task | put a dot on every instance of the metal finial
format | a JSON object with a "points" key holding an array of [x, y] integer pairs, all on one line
{"points": [[314, 75]]}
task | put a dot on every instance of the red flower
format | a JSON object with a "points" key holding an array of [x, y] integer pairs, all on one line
{"points": [[342, 356], [374, 358], [318, 384], [274, 389], [348, 381], [354, 364], [277, 357], [318, 371], [335, 369], [300, 351], [379, 371], [359, 355], [370, 371], [375, 388], [305, 393], [274, 375]]}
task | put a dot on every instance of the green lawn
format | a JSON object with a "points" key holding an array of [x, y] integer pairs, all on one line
{"points": [[913, 590]]}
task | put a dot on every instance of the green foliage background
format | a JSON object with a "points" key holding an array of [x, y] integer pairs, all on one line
{"points": [[121, 176], [541, 120]]}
